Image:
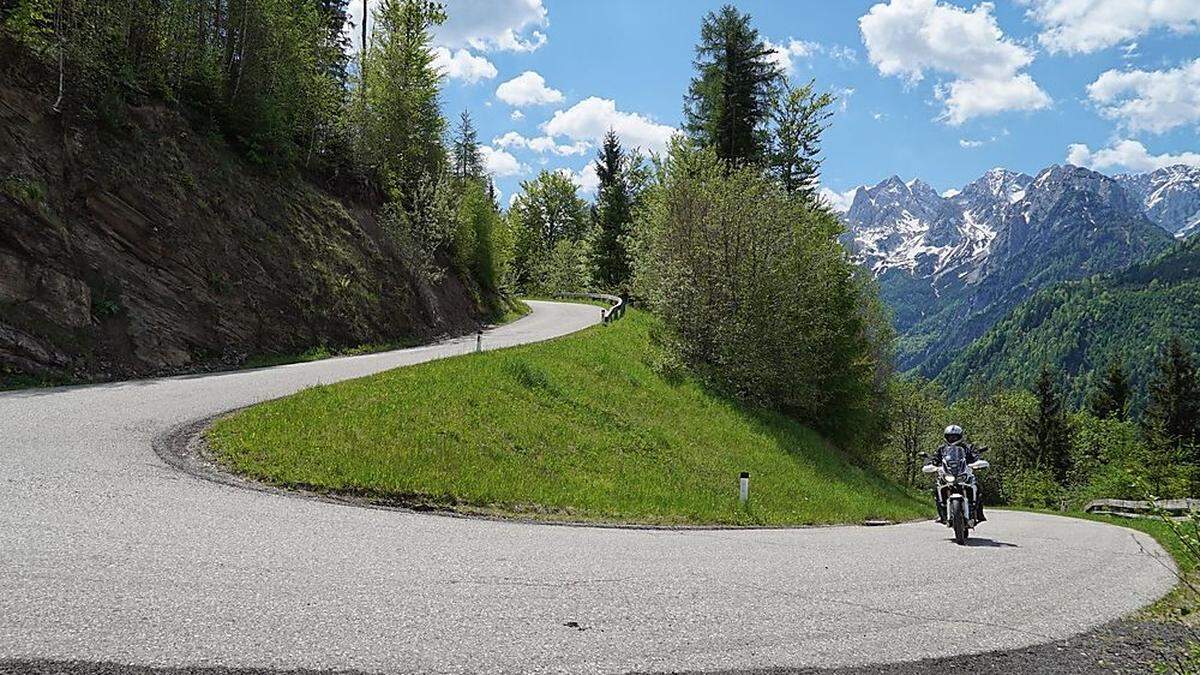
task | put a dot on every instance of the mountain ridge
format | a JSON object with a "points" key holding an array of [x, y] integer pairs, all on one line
{"points": [[950, 265]]}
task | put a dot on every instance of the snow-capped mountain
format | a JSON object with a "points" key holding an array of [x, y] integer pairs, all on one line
{"points": [[899, 225], [1170, 197], [951, 264], [906, 225]]}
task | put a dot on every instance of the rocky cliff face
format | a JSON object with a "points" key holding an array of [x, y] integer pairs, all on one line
{"points": [[132, 244], [1170, 197]]}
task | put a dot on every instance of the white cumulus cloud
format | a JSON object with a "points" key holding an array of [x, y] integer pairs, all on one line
{"points": [[966, 99], [586, 181], [500, 163], [1084, 26], [1126, 154], [528, 88], [782, 56], [463, 65], [592, 117], [1149, 100], [516, 115], [481, 25], [541, 144], [908, 38], [488, 25]]}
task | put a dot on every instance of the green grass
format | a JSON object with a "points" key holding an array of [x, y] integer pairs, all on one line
{"points": [[580, 428]]}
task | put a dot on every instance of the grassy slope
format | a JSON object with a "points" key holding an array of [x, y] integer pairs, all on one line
{"points": [[579, 428]]}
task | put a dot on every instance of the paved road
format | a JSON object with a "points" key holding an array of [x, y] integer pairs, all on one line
{"points": [[107, 554]]}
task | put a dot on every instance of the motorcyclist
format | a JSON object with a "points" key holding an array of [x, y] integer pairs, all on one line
{"points": [[955, 437]]}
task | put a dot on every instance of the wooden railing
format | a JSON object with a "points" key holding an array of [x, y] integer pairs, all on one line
{"points": [[610, 314], [1176, 508]]}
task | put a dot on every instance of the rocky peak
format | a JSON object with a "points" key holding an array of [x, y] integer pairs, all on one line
{"points": [[1170, 197]]}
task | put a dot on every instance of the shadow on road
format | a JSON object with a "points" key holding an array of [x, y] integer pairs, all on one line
{"points": [[989, 543]]}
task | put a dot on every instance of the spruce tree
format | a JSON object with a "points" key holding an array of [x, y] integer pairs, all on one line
{"points": [[613, 213], [800, 117], [468, 161], [1048, 432], [1173, 411], [1112, 394], [728, 104]]}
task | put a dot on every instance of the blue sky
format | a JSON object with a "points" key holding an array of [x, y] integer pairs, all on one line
{"points": [[933, 89]]}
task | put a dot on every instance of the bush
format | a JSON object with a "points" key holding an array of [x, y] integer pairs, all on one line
{"points": [[760, 296]]}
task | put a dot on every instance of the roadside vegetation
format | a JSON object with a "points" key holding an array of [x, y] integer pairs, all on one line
{"points": [[510, 310], [593, 427]]}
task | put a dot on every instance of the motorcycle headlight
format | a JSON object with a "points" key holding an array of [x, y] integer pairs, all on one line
{"points": [[949, 478]]}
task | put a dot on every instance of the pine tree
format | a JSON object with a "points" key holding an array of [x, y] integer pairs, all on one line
{"points": [[1112, 395], [468, 162], [1048, 432], [613, 213], [729, 101], [800, 117], [1173, 411]]}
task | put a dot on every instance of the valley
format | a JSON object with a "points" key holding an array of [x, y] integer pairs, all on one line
{"points": [[952, 265]]}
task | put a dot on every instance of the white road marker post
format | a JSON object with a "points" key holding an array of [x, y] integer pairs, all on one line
{"points": [[479, 342], [744, 487]]}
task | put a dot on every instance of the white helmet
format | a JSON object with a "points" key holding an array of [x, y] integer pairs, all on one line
{"points": [[954, 434]]}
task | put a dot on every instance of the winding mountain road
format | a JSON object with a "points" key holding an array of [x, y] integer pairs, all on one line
{"points": [[108, 554]]}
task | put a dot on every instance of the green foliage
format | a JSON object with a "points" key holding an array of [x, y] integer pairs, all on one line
{"points": [[756, 290], [916, 409], [551, 237], [1047, 441], [728, 104], [998, 421], [1079, 327], [1113, 393], [579, 428], [1173, 412], [464, 150], [399, 108], [477, 245], [269, 71], [623, 180], [800, 116], [29, 191], [420, 223]]}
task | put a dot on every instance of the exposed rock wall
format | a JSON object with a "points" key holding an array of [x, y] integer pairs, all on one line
{"points": [[132, 244]]}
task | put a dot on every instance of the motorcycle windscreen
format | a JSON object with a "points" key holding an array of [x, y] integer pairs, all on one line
{"points": [[954, 460]]}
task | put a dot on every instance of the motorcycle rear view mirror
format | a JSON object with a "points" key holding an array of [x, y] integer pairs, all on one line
{"points": [[982, 450]]}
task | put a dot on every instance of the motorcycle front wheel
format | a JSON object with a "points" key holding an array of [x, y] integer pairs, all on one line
{"points": [[958, 520]]}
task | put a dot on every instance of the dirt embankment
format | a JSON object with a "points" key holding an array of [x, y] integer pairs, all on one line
{"points": [[132, 243]]}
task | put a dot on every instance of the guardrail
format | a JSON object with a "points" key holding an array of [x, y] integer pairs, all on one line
{"points": [[1176, 508], [616, 311]]}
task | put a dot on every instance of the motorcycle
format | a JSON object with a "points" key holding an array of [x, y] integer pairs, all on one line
{"points": [[957, 489]]}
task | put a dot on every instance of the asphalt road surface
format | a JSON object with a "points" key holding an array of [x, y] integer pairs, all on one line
{"points": [[108, 554]]}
